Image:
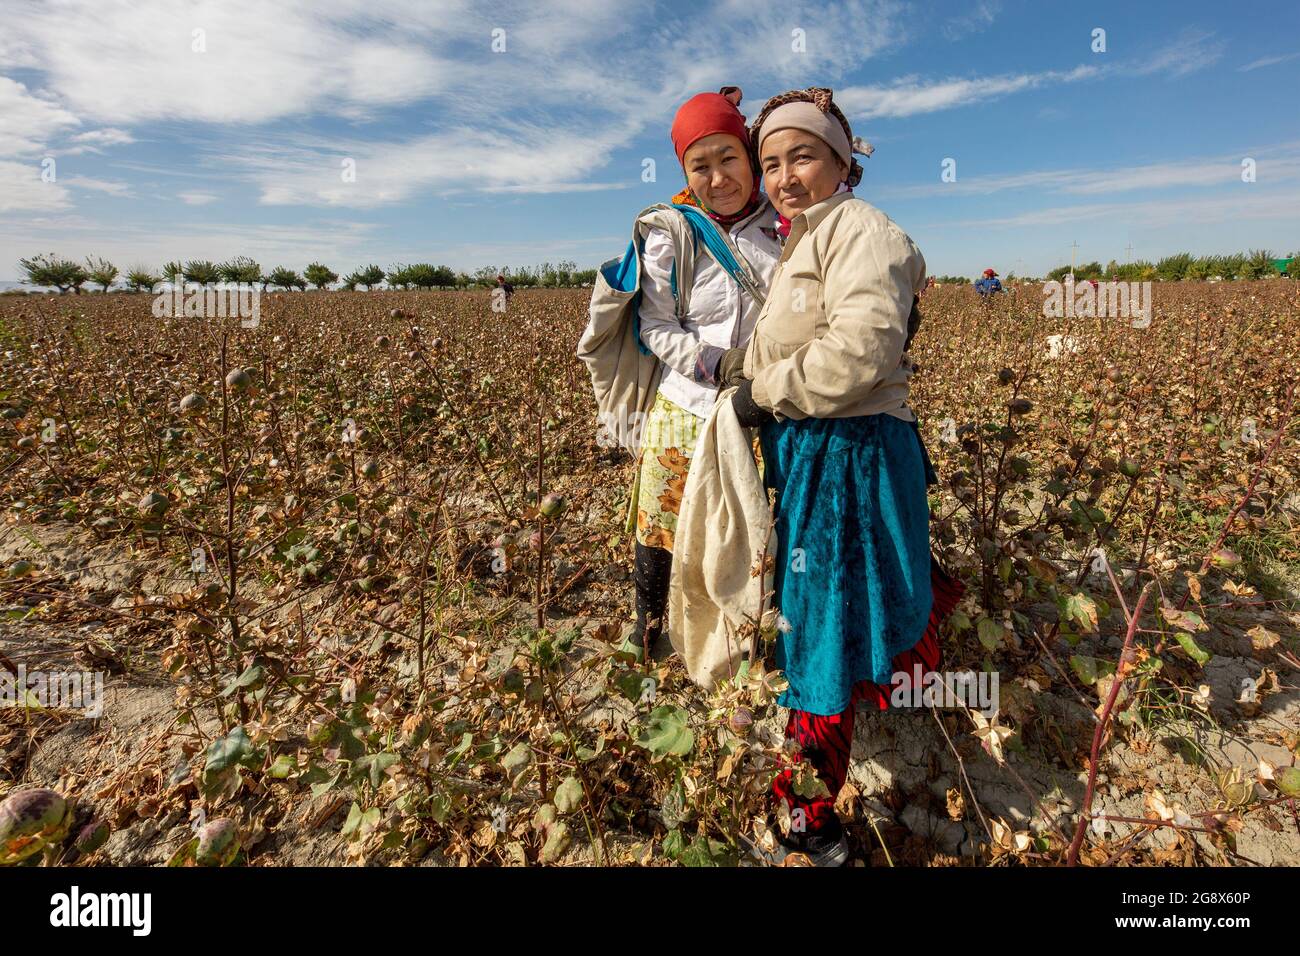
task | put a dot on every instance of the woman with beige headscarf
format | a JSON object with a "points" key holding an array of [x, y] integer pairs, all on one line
{"points": [[859, 594]]}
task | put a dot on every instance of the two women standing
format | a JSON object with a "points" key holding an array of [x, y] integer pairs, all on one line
{"points": [[824, 376]]}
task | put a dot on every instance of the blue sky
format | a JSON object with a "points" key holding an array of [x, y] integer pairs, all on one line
{"points": [[213, 129]]}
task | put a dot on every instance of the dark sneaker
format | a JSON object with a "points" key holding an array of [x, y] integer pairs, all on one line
{"points": [[825, 848]]}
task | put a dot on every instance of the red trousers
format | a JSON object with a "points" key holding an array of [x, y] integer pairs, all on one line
{"points": [[824, 742]]}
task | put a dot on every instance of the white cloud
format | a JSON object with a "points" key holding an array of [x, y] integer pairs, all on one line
{"points": [[108, 136], [110, 187], [909, 95], [95, 140], [1203, 211], [1267, 61], [1280, 163], [28, 120], [21, 189], [257, 61], [196, 198], [1190, 51], [979, 18]]}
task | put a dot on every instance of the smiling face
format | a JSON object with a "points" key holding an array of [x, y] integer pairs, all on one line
{"points": [[799, 170], [718, 172]]}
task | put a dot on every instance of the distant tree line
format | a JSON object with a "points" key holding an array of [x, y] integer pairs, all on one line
{"points": [[1256, 264], [51, 270]]}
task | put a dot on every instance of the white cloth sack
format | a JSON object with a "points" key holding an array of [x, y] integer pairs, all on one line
{"points": [[722, 529]]}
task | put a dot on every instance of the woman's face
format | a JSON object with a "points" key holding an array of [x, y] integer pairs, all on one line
{"points": [[718, 172], [799, 170]]}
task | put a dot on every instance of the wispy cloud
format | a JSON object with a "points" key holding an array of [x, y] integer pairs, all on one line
{"points": [[197, 198], [980, 17], [1191, 50], [1274, 164], [1204, 211], [1268, 61], [107, 186], [910, 95]]}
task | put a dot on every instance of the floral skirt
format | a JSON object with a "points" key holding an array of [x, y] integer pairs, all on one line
{"points": [[667, 445]]}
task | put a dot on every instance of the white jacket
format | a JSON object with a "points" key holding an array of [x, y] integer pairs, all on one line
{"points": [[720, 315]]}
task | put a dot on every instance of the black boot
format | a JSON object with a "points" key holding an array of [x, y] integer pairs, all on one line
{"points": [[650, 575]]}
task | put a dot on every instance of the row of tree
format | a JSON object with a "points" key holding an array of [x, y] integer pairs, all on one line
{"points": [[1256, 264], [52, 271]]}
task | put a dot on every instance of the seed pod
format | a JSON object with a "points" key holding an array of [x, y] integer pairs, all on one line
{"points": [[193, 402], [153, 504], [741, 722], [92, 836], [1129, 468], [1225, 558], [31, 820], [238, 379], [1006, 376], [553, 505], [1019, 406], [218, 843]]}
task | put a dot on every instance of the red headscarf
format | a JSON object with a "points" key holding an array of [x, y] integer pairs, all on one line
{"points": [[703, 115]]}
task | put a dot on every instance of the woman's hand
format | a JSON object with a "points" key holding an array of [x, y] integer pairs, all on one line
{"points": [[748, 412], [731, 370]]}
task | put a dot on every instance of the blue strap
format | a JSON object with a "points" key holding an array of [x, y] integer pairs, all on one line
{"points": [[705, 231]]}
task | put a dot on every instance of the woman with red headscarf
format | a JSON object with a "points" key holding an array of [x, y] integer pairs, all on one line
{"points": [[703, 352]]}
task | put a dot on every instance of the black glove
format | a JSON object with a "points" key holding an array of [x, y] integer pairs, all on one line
{"points": [[913, 322], [731, 370], [748, 412]]}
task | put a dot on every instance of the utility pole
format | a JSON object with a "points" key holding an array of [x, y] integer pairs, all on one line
{"points": [[1128, 252], [1074, 246]]}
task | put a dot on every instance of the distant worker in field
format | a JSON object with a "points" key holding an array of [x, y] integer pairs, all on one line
{"points": [[988, 285], [505, 286]]}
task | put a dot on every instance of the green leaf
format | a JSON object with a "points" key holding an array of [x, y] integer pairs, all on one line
{"points": [[373, 765], [1090, 669], [990, 633], [673, 844], [1194, 650], [440, 807], [325, 785], [1082, 610], [229, 750], [254, 675], [665, 732], [283, 767]]}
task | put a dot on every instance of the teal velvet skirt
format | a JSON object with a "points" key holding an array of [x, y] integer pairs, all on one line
{"points": [[852, 576]]}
